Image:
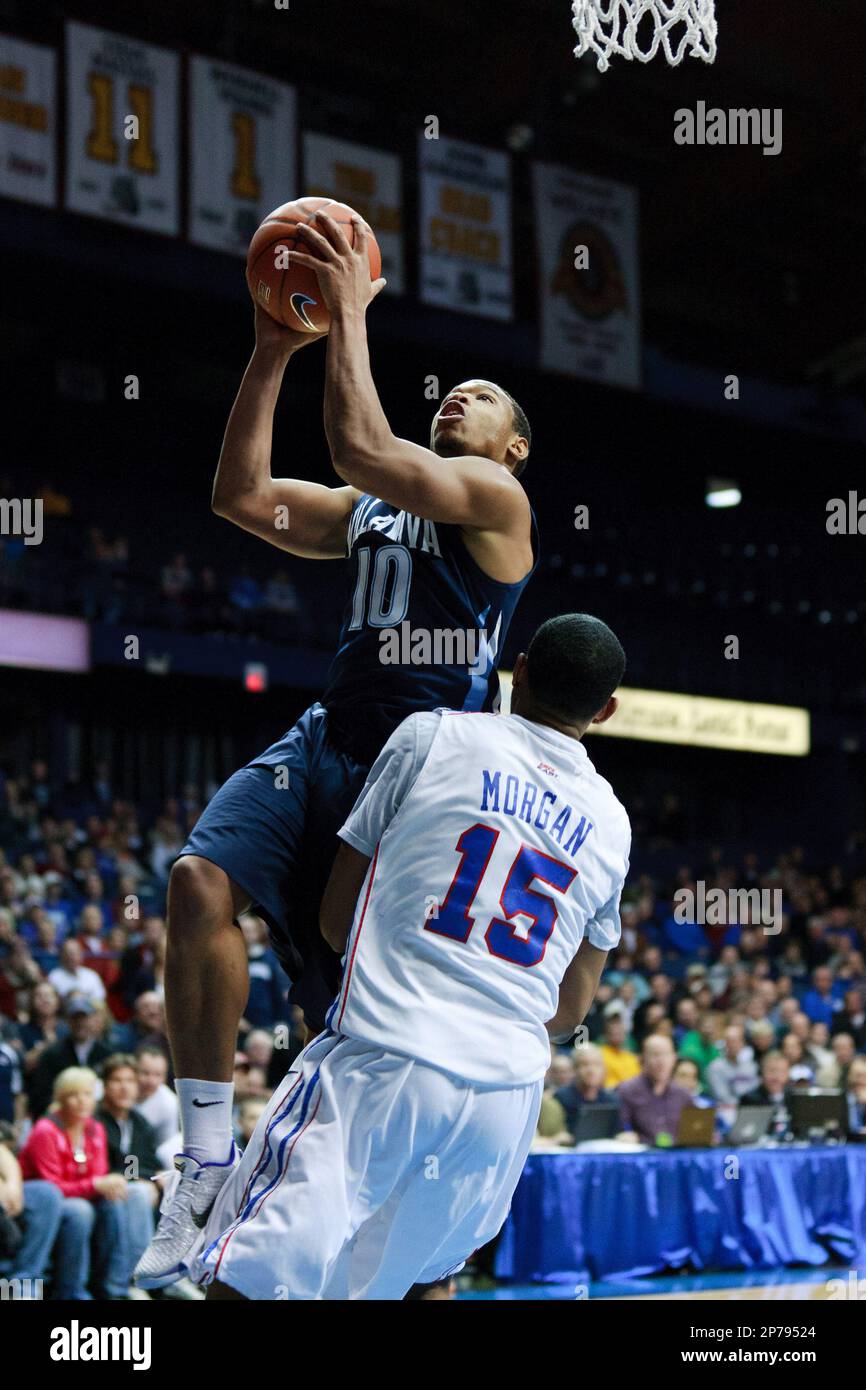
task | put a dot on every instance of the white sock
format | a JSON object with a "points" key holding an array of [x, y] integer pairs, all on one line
{"points": [[206, 1118]]}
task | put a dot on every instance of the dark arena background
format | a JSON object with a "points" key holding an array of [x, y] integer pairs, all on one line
{"points": [[695, 379]]}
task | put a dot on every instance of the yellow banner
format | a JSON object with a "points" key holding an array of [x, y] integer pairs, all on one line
{"points": [[699, 721]]}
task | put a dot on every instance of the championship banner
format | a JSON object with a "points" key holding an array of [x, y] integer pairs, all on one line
{"points": [[369, 181], [465, 227], [242, 152], [28, 121], [587, 236], [122, 129]]}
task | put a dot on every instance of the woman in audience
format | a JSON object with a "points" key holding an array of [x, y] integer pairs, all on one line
{"points": [[68, 1148], [43, 1023]]}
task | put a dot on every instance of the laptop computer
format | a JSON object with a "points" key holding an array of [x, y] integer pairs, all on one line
{"points": [[597, 1122], [818, 1114], [696, 1128], [751, 1125]]}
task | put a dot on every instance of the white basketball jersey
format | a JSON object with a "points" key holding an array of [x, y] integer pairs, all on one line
{"points": [[488, 866]]}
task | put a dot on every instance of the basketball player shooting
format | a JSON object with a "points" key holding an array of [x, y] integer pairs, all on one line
{"points": [[440, 537], [392, 1149]]}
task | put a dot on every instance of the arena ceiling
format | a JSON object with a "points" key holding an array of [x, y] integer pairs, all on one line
{"points": [[751, 263]]}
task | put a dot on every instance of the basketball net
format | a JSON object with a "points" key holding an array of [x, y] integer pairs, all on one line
{"points": [[609, 28]]}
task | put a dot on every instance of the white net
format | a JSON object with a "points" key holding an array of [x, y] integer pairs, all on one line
{"points": [[609, 28]]}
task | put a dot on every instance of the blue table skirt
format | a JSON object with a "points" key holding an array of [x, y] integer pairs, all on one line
{"points": [[582, 1217]]}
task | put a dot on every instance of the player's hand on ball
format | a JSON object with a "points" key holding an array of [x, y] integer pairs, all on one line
{"points": [[272, 337], [343, 271]]}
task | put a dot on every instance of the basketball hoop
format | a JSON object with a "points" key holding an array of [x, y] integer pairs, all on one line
{"points": [[609, 28]]}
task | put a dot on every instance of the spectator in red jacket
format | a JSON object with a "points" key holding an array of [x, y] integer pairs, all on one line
{"points": [[68, 1148]]}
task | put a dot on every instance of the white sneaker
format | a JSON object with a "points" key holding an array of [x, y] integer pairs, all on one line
{"points": [[184, 1215]]}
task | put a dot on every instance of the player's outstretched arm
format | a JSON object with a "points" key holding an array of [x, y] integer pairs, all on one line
{"points": [[577, 991], [291, 513], [472, 492]]}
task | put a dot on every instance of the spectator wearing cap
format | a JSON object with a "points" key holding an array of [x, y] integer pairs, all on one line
{"points": [[587, 1087], [651, 1103], [801, 1076], [620, 1063], [72, 977], [733, 1073], [81, 1046]]}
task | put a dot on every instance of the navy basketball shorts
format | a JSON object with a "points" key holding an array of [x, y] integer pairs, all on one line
{"points": [[272, 827]]}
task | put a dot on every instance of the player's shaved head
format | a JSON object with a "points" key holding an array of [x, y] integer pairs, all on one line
{"points": [[573, 666]]}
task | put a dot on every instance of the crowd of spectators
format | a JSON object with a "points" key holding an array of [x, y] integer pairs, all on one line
{"points": [[88, 1112], [686, 1015], [741, 1013]]}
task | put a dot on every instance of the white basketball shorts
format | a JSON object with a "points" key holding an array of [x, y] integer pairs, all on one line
{"points": [[367, 1173]]}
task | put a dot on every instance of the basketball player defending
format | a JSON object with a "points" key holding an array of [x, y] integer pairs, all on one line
{"points": [[475, 895], [439, 538]]}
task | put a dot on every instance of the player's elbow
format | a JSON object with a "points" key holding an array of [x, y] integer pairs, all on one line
{"points": [[221, 501], [232, 506], [563, 1026]]}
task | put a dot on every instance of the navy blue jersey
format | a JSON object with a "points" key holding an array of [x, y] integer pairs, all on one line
{"points": [[423, 626]]}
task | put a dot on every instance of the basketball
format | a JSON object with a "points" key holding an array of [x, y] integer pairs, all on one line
{"points": [[290, 293]]}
